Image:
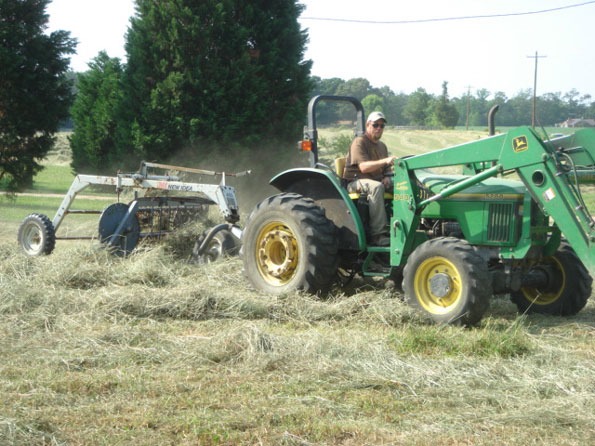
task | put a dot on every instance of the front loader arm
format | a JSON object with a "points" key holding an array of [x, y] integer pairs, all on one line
{"points": [[552, 174], [550, 170]]}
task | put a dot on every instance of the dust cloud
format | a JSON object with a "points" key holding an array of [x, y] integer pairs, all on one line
{"points": [[264, 163]]}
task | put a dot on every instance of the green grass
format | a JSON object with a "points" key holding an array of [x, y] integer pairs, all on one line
{"points": [[154, 349], [53, 179], [13, 211], [495, 339], [405, 142], [413, 142]]}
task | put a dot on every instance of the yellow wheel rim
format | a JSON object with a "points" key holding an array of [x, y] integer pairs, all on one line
{"points": [[277, 253], [547, 297], [438, 285]]}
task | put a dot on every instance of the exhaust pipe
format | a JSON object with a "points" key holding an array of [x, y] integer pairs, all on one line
{"points": [[491, 118]]}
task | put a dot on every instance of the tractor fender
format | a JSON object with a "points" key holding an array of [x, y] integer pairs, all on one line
{"points": [[324, 187]]}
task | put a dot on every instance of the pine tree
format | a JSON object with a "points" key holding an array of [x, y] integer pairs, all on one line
{"points": [[94, 112], [218, 71], [34, 90]]}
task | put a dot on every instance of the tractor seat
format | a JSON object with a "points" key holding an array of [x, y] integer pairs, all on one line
{"points": [[340, 168]]}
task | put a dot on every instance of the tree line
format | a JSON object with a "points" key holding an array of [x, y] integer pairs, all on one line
{"points": [[421, 108], [201, 75]]}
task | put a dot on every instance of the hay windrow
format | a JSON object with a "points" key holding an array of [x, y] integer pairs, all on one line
{"points": [[158, 349]]}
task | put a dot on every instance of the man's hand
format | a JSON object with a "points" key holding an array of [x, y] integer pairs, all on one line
{"points": [[374, 166], [389, 163], [390, 160]]}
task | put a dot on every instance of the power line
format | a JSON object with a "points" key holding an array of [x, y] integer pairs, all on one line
{"points": [[446, 19]]}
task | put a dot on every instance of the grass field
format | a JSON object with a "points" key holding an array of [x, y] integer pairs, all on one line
{"points": [[155, 350]]}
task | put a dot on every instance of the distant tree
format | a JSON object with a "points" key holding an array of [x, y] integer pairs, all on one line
{"points": [[550, 109], [445, 112], [498, 99], [356, 87], [590, 113], [480, 108], [501, 117], [576, 105], [327, 112], [326, 86], [213, 71], [520, 107], [394, 106], [373, 102], [35, 93], [418, 109], [94, 112]]}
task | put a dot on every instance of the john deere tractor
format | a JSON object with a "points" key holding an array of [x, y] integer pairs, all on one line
{"points": [[512, 222]]}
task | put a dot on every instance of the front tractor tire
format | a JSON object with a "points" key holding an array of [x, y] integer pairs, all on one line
{"points": [[289, 243], [568, 290], [448, 281], [37, 235]]}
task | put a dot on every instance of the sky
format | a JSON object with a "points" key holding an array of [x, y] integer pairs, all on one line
{"points": [[492, 53]]}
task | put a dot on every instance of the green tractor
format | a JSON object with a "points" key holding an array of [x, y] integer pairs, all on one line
{"points": [[456, 240]]}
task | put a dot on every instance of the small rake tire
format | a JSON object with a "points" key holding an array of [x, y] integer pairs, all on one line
{"points": [[109, 220], [568, 293], [36, 235], [289, 244], [223, 244], [448, 281]]}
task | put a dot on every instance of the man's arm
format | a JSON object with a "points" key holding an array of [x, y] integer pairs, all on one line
{"points": [[373, 166]]}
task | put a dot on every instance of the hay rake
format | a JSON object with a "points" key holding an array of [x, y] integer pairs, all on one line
{"points": [[162, 203]]}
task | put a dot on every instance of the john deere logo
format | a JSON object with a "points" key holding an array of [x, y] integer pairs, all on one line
{"points": [[520, 144]]}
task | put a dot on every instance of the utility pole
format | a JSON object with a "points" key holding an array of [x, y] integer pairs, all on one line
{"points": [[534, 88], [468, 106]]}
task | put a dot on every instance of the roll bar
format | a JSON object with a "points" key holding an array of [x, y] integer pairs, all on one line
{"points": [[311, 131]]}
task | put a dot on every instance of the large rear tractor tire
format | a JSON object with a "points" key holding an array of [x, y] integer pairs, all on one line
{"points": [[37, 235], [289, 243], [448, 281], [566, 294]]}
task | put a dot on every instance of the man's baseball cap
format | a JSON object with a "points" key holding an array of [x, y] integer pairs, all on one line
{"points": [[375, 116]]}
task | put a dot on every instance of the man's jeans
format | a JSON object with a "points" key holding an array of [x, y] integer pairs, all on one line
{"points": [[375, 192]]}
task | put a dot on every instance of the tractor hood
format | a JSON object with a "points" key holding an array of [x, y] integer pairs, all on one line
{"points": [[490, 188]]}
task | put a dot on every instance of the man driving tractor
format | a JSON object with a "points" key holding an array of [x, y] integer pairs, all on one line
{"points": [[365, 170]]}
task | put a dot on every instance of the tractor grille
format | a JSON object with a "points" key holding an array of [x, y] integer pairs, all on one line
{"points": [[499, 221]]}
